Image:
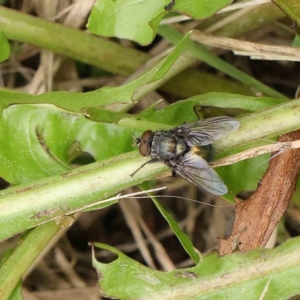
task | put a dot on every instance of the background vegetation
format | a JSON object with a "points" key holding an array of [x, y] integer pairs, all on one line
{"points": [[78, 80]]}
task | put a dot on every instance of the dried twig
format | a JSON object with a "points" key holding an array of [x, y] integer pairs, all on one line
{"points": [[253, 50], [229, 160]]}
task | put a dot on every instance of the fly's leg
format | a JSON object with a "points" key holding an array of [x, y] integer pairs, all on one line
{"points": [[170, 163], [147, 162]]}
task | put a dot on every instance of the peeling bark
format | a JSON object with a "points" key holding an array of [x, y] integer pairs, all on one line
{"points": [[257, 217]]}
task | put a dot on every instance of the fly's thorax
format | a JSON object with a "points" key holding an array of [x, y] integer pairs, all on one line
{"points": [[180, 146], [206, 152], [165, 145]]}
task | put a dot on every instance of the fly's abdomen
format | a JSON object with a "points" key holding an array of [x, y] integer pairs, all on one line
{"points": [[206, 152]]}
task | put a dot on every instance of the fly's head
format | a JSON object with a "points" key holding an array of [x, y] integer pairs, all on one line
{"points": [[144, 143]]}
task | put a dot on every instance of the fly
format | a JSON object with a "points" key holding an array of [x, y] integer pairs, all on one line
{"points": [[187, 149]]}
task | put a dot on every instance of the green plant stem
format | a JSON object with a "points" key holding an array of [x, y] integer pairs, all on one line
{"points": [[73, 43], [26, 206], [291, 8], [20, 260], [271, 122]]}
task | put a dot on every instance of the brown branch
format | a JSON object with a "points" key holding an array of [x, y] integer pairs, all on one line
{"points": [[257, 217]]}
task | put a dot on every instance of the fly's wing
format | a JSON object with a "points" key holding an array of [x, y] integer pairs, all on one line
{"points": [[196, 170], [206, 132]]}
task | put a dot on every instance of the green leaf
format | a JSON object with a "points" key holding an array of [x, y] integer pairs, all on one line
{"points": [[166, 118], [199, 9], [17, 292], [35, 141], [105, 115], [291, 8], [174, 114], [296, 41], [4, 47], [261, 273], [76, 102], [226, 100], [182, 237], [243, 175], [181, 111], [171, 58], [127, 19], [138, 20]]}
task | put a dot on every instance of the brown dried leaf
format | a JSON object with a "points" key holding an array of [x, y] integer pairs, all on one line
{"points": [[257, 217]]}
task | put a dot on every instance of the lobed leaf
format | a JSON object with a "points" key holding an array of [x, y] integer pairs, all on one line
{"points": [[271, 274], [139, 20]]}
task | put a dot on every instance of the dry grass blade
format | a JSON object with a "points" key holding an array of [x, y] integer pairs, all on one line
{"points": [[257, 217], [75, 16], [255, 152], [160, 252], [68, 269], [130, 212], [136, 224]]}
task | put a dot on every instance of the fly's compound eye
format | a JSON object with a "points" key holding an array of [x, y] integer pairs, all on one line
{"points": [[146, 135], [143, 148]]}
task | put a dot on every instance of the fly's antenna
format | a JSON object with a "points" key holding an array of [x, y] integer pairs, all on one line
{"points": [[137, 141]]}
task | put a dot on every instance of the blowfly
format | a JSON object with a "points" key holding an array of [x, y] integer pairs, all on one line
{"points": [[187, 149]]}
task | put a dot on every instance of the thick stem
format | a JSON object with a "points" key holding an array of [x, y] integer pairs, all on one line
{"points": [[73, 43]]}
